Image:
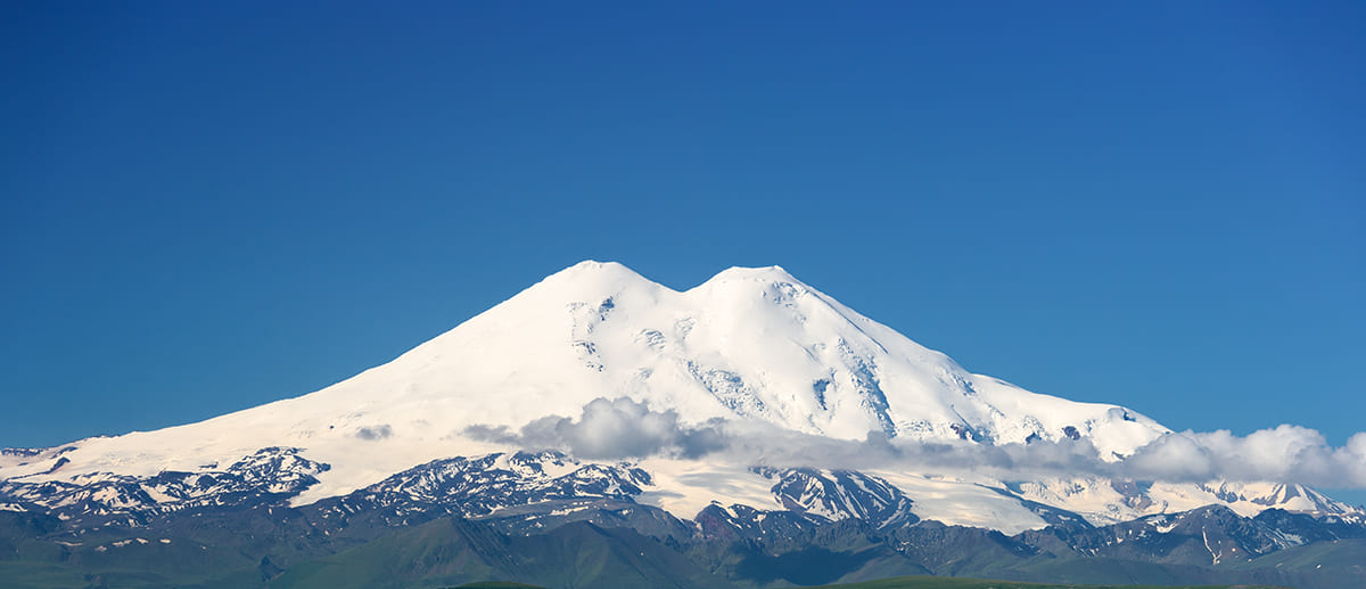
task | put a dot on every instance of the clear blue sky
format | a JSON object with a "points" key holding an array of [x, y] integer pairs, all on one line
{"points": [[207, 206]]}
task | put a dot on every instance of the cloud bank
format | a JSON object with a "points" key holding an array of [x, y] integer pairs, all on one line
{"points": [[624, 429], [1286, 453], [610, 429]]}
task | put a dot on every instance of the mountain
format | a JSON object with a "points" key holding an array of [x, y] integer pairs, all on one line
{"points": [[476, 428], [753, 343], [750, 343]]}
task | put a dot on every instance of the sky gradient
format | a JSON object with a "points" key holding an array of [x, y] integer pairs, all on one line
{"points": [[210, 207]]}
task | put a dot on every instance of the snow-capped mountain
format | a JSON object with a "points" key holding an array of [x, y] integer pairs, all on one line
{"points": [[269, 475], [750, 344]]}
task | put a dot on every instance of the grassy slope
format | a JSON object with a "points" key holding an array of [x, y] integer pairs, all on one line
{"points": [[925, 582], [957, 583], [50, 575], [1339, 562], [446, 553], [449, 552]]}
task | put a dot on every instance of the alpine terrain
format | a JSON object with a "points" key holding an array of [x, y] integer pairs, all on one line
{"points": [[600, 429]]}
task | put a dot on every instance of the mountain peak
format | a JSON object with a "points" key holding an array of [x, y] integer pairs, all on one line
{"points": [[597, 276], [763, 275], [753, 273], [591, 277], [596, 268]]}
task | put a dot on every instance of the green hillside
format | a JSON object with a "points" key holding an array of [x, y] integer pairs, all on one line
{"points": [[923, 582], [451, 552], [926, 582]]}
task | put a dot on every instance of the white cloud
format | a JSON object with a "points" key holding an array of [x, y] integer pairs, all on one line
{"points": [[623, 428], [619, 428], [1288, 453]]}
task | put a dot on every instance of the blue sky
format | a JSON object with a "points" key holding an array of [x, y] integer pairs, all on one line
{"points": [[210, 207]]}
